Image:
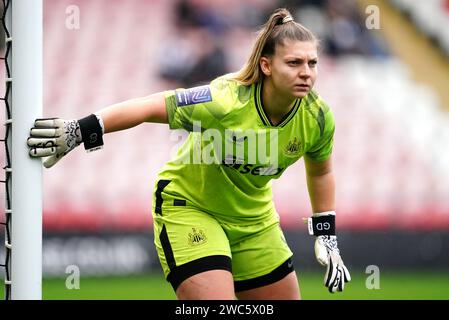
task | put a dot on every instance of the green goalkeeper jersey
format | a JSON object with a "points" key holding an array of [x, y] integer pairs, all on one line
{"points": [[233, 150]]}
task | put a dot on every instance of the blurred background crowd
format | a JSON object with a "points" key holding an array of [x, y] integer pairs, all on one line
{"points": [[387, 87], [212, 37]]}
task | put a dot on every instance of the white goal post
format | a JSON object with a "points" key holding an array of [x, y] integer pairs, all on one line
{"points": [[26, 62]]}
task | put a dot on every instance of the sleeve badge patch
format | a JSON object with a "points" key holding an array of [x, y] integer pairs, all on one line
{"points": [[193, 96]]}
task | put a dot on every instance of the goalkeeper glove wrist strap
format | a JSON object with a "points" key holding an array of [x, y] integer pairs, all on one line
{"points": [[322, 225], [91, 133]]}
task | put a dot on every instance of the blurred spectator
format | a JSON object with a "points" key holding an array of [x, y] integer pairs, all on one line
{"points": [[348, 34], [340, 26], [200, 13], [192, 58], [220, 16]]}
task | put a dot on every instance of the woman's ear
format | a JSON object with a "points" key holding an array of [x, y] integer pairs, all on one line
{"points": [[265, 66]]}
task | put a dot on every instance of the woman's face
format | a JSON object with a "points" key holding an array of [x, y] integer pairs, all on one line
{"points": [[293, 67]]}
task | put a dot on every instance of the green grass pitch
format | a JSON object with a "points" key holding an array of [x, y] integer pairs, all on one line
{"points": [[405, 285]]}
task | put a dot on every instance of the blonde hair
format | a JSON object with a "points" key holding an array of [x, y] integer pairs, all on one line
{"points": [[280, 26]]}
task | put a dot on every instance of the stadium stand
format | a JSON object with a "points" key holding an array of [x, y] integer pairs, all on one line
{"points": [[420, 13]]}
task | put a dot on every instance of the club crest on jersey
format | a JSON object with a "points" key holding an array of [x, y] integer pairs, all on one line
{"points": [[193, 96], [293, 148], [197, 237]]}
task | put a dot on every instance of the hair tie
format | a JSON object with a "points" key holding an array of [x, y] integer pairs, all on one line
{"points": [[287, 18]]}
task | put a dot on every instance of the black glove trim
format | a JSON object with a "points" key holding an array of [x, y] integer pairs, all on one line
{"points": [[322, 225], [91, 132]]}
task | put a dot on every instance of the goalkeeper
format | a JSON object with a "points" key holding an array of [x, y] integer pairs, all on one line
{"points": [[216, 229]]}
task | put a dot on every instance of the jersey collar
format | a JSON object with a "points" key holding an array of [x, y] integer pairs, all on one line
{"points": [[260, 110]]}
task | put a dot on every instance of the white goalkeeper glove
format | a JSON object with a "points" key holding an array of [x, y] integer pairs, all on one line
{"points": [[326, 250], [53, 138]]}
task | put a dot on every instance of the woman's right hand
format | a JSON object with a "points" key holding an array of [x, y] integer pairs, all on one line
{"points": [[53, 138]]}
